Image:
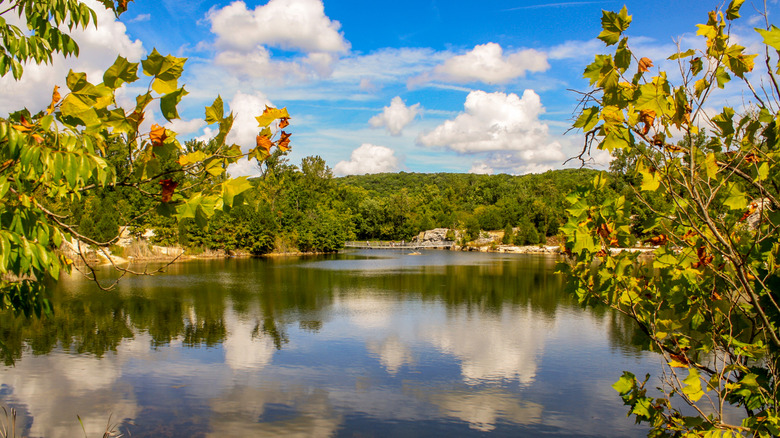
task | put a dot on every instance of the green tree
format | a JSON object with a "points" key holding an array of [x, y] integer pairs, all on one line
{"points": [[85, 145], [507, 239], [709, 298]]}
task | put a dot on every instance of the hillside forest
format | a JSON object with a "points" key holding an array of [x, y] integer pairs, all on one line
{"points": [[304, 208]]}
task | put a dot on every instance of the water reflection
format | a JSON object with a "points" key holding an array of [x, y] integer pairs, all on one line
{"points": [[379, 344]]}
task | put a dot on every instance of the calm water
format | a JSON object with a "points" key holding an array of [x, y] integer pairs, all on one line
{"points": [[360, 344]]}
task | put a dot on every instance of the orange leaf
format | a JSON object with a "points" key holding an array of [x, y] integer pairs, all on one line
{"points": [[647, 117], [157, 135], [264, 143], [283, 122], [752, 158], [645, 64], [679, 359], [55, 97], [658, 240], [168, 187], [38, 139], [284, 142]]}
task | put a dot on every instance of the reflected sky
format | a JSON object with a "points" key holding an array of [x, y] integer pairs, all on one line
{"points": [[361, 344]]}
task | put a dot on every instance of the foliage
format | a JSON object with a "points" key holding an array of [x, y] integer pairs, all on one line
{"points": [[84, 145], [708, 297], [398, 206]]}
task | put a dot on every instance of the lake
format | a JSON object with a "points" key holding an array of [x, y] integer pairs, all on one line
{"points": [[359, 344]]}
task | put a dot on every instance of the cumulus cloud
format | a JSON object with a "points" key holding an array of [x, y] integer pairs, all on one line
{"points": [[258, 64], [486, 63], [287, 24], [492, 122], [245, 108], [184, 127], [396, 116], [99, 48], [368, 158], [506, 127], [243, 38]]}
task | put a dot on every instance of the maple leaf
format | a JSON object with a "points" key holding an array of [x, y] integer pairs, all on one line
{"points": [[283, 122], [136, 118], [647, 117], [157, 135], [658, 240], [55, 97], [284, 142], [265, 143], [752, 158], [704, 258], [168, 187], [645, 64]]}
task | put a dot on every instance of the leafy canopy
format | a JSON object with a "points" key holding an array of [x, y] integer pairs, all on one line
{"points": [[84, 142], [709, 295]]}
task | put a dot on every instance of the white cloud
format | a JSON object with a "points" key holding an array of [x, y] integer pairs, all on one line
{"points": [[245, 108], [481, 168], [503, 126], [98, 48], [287, 24], [492, 122], [258, 64], [486, 63], [244, 36], [182, 127], [141, 18], [396, 116], [582, 50], [368, 158]]}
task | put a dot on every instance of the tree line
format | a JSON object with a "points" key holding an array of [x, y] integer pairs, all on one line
{"points": [[304, 208]]}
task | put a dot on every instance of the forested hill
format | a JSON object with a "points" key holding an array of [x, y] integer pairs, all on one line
{"points": [[305, 208], [399, 205]]}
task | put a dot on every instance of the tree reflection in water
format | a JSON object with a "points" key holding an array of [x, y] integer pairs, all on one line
{"points": [[444, 342]]}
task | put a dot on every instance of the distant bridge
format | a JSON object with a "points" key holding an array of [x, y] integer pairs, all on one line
{"points": [[398, 245]]}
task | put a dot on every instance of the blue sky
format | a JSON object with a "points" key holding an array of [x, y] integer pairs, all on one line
{"points": [[417, 86]]}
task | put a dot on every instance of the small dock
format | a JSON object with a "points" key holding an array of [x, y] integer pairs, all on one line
{"points": [[398, 245]]}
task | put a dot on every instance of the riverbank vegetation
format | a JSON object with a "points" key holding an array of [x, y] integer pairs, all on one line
{"points": [[304, 208], [707, 182]]}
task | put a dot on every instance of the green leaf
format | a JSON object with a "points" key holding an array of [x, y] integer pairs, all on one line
{"points": [[168, 104], [192, 157], [697, 65], [166, 68], [122, 71], [711, 166], [593, 70], [625, 384], [651, 179], [685, 54], [613, 25], [732, 13], [215, 112], [623, 55], [76, 81], [654, 96], [722, 76], [692, 384], [588, 118], [233, 188], [735, 197], [771, 37], [725, 121]]}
